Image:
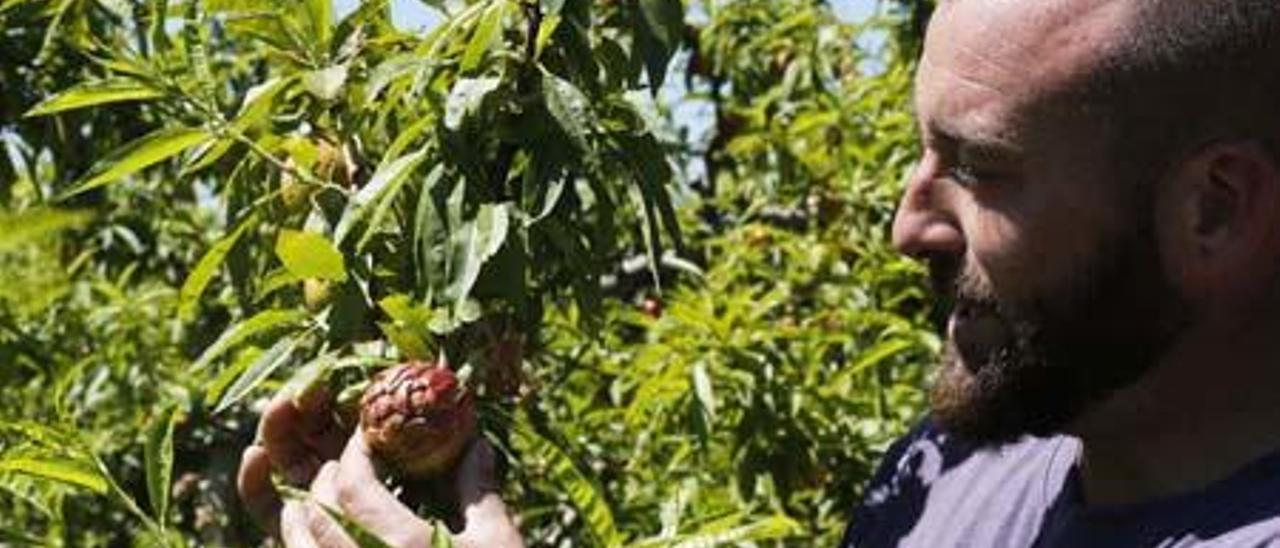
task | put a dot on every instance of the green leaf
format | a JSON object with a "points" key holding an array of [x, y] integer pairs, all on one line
{"points": [[770, 528], [310, 255], [874, 356], [362, 536], [257, 104], [552, 198], [34, 224], [465, 98], [474, 244], [320, 13], [218, 386], [310, 375], [61, 470], [258, 371], [407, 137], [552, 7], [12, 536], [262, 322], [144, 152], [327, 83], [702, 389], [378, 196], [407, 328], [440, 537], [569, 107], [582, 491], [159, 462], [658, 33], [98, 92], [486, 30], [202, 274]]}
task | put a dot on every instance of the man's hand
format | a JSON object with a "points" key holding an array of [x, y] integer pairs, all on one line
{"points": [[294, 441], [350, 485]]}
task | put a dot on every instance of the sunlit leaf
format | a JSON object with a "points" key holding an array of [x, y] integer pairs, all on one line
{"points": [[377, 195], [326, 83], [702, 389], [581, 490], [146, 151], [310, 255], [262, 322], [95, 93], [487, 29], [465, 98], [206, 268], [552, 7], [258, 371], [32, 225], [57, 469], [158, 459], [474, 244]]}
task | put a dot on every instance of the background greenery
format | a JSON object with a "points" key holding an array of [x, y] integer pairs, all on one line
{"points": [[205, 202]]}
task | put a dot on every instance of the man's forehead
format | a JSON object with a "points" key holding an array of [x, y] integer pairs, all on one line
{"points": [[984, 59]]}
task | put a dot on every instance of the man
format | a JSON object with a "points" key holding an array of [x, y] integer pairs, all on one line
{"points": [[1098, 195]]}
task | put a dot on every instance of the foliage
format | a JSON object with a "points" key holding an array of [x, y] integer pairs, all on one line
{"points": [[205, 202]]}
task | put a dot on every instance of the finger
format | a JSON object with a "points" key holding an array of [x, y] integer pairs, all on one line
{"points": [[365, 499], [484, 514], [281, 433], [295, 526], [325, 530], [256, 491], [308, 523], [325, 487], [318, 428]]}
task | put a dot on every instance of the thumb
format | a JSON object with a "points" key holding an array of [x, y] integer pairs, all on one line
{"points": [[478, 490], [366, 500]]}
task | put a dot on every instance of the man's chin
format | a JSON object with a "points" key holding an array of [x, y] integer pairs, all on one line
{"points": [[979, 404]]}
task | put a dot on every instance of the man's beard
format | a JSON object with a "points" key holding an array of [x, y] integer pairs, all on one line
{"points": [[1033, 366]]}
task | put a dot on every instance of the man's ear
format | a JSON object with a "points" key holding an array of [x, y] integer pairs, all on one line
{"points": [[1220, 218]]}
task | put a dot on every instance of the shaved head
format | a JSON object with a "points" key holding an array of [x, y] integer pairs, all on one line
{"points": [[1187, 72], [1049, 127]]}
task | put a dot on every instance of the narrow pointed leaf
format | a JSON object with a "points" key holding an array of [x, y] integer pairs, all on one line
{"points": [[658, 32], [144, 152], [702, 389], [378, 194], [258, 371], [56, 469], [486, 30], [206, 268], [95, 93], [582, 491], [159, 463], [262, 322], [475, 244]]}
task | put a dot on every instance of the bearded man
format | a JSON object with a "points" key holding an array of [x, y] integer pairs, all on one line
{"points": [[1099, 197]]}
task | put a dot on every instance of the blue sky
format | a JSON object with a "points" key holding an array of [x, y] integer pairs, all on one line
{"points": [[415, 15]]}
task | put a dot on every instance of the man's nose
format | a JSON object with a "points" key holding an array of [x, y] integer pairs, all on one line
{"points": [[925, 224]]}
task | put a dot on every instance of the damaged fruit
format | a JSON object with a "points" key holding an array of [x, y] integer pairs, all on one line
{"points": [[417, 418]]}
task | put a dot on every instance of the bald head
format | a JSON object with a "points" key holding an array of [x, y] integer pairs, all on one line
{"points": [[1188, 72], [1163, 75]]}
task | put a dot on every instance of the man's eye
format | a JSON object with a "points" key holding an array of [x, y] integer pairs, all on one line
{"points": [[967, 175]]}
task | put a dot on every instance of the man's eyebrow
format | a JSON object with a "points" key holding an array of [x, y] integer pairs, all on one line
{"points": [[981, 145]]}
